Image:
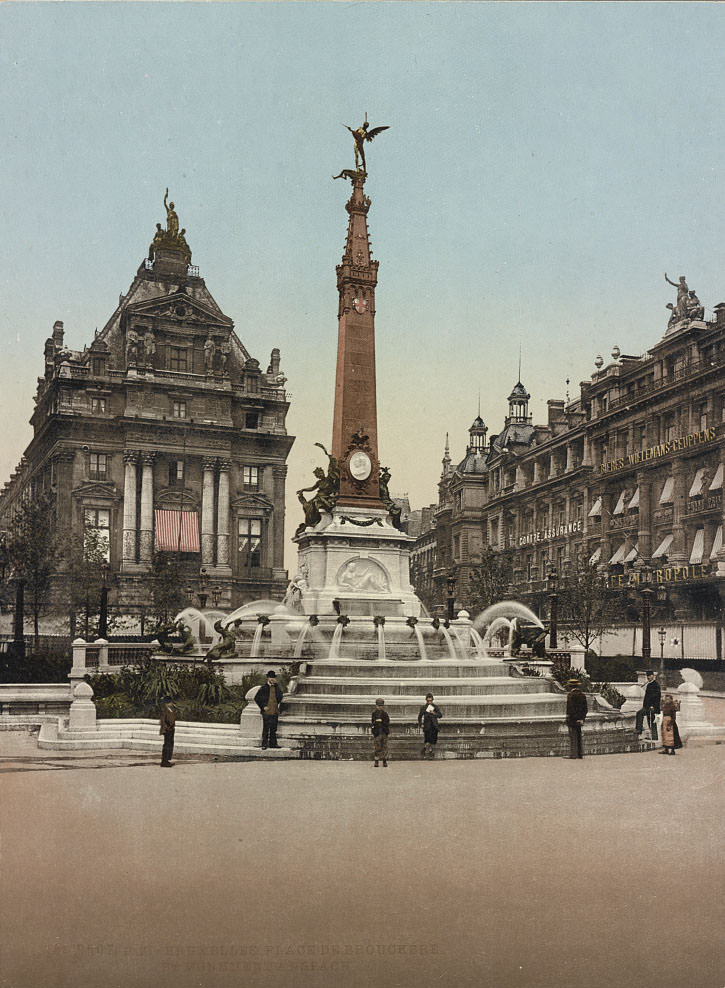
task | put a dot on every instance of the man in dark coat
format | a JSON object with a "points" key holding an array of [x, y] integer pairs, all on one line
{"points": [[429, 715], [381, 730], [167, 726], [269, 698], [650, 706], [576, 712]]}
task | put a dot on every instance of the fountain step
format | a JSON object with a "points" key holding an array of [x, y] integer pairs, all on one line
{"points": [[417, 669], [450, 686], [328, 708]]}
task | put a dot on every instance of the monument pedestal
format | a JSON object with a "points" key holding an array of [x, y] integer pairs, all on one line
{"points": [[354, 562]]}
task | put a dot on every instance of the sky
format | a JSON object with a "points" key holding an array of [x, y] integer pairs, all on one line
{"points": [[545, 165]]}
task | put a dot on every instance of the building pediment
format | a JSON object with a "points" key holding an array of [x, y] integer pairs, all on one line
{"points": [[178, 306], [175, 499], [96, 490], [252, 502]]}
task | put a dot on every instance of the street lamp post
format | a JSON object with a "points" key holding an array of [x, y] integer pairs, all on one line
{"points": [[451, 585], [553, 585], [103, 615], [645, 589], [662, 633]]}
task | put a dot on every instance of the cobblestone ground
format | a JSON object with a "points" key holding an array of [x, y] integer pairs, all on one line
{"points": [[539, 873]]}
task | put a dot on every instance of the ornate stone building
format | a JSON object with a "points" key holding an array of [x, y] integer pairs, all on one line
{"points": [[166, 436], [629, 472]]}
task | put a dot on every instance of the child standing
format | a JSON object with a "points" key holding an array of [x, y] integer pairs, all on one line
{"points": [[381, 730]]}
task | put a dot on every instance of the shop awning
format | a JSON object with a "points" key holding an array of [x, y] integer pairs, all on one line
{"points": [[662, 548], [596, 511], [698, 546], [716, 543], [619, 506], [177, 531], [666, 495], [697, 483], [632, 554], [634, 503], [595, 556], [716, 484], [618, 556]]}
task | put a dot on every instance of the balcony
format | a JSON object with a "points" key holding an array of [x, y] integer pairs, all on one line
{"points": [[689, 370]]}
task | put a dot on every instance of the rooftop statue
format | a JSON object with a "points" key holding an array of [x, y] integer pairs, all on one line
{"points": [[172, 220], [172, 238], [360, 135], [688, 305]]}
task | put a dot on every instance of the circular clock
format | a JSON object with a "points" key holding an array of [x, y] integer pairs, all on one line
{"points": [[360, 465]]}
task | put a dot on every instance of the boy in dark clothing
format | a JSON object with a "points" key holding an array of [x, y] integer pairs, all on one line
{"points": [[381, 730], [167, 727], [650, 706], [429, 715], [268, 699], [576, 712]]}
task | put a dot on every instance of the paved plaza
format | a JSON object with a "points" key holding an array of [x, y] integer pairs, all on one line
{"points": [[539, 873]]}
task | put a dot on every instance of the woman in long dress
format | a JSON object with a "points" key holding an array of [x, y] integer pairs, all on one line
{"points": [[670, 735]]}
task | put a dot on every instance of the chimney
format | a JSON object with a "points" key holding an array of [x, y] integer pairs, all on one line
{"points": [[58, 334]]}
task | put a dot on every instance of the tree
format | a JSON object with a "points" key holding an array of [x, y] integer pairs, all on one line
{"points": [[32, 547], [490, 579], [167, 587], [587, 606], [87, 554]]}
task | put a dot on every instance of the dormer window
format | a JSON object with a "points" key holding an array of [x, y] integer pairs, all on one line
{"points": [[98, 366]]}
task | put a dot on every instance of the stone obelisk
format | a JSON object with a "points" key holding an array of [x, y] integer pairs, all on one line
{"points": [[355, 425]]}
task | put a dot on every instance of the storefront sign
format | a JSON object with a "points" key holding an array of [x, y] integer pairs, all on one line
{"points": [[544, 534], [655, 452], [666, 574]]}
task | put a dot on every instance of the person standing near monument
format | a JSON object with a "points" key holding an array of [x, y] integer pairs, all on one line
{"points": [[268, 699], [670, 733], [428, 717], [167, 727], [650, 706], [381, 730], [576, 712]]}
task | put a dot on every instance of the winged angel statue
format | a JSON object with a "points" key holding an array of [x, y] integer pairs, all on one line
{"points": [[360, 136]]}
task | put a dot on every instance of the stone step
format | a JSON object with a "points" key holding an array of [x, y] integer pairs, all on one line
{"points": [[381, 686], [331, 708], [419, 669]]}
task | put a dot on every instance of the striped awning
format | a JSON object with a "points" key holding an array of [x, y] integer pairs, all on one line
{"points": [[618, 556], [596, 509], [634, 503], [666, 495], [632, 554], [177, 531], [696, 487], [716, 543], [595, 556], [716, 484], [619, 507], [698, 546], [662, 548]]}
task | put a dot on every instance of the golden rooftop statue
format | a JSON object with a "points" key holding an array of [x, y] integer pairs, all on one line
{"points": [[360, 135], [171, 238]]}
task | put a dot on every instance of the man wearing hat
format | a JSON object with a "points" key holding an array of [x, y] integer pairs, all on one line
{"points": [[650, 706], [269, 698], [576, 712], [381, 730], [167, 727]]}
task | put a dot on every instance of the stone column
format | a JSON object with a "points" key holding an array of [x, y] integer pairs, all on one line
{"points": [[207, 514], [644, 534], [720, 561], [130, 458], [678, 550], [276, 522], [146, 541], [222, 537], [569, 457]]}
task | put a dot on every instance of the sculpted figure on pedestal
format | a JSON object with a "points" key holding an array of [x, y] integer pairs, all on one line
{"points": [[327, 488], [226, 648], [360, 135]]}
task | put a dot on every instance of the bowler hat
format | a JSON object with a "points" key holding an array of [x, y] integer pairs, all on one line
{"points": [[271, 674]]}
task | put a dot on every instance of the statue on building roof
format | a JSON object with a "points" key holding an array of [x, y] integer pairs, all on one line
{"points": [[172, 238], [360, 135], [680, 309], [172, 219]]}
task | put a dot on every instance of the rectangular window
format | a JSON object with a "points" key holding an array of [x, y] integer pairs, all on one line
{"points": [[176, 472], [98, 466], [98, 366], [251, 420], [178, 358], [670, 427], [250, 543], [98, 406], [178, 409], [703, 417], [250, 478], [98, 522]]}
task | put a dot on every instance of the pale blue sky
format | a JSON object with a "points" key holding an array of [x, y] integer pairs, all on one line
{"points": [[546, 163]]}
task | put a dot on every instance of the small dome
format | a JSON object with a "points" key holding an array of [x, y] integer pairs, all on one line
{"points": [[478, 423], [519, 391]]}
